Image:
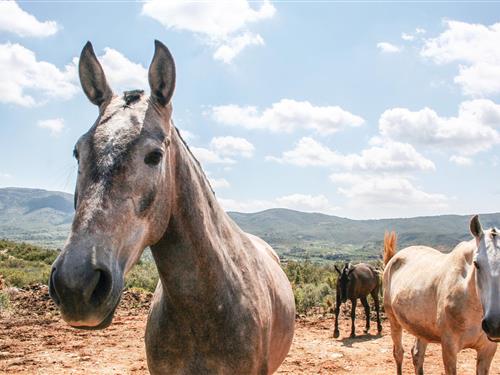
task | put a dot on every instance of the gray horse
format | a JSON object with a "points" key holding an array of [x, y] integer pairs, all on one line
{"points": [[223, 305], [355, 282]]}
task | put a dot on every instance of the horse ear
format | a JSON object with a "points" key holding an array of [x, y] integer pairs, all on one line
{"points": [[475, 227], [162, 74], [337, 269], [92, 77]]}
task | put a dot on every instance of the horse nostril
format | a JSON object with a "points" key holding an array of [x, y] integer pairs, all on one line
{"points": [[102, 288], [52, 288]]}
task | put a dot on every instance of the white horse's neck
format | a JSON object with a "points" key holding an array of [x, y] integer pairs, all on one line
{"points": [[200, 237], [468, 252]]}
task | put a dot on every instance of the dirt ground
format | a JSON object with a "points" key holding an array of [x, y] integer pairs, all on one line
{"points": [[33, 340]]}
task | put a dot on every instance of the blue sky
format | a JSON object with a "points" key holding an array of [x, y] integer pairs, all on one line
{"points": [[364, 110]]}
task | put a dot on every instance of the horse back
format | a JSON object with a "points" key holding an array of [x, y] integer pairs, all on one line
{"points": [[363, 280]]}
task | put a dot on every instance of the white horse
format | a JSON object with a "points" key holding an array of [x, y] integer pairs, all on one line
{"points": [[452, 299]]}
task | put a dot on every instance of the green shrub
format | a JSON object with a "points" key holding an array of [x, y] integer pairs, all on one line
{"points": [[144, 276], [313, 284], [23, 276], [28, 252], [4, 301]]}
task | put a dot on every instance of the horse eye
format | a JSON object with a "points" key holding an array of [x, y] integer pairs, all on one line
{"points": [[476, 264], [75, 154], [153, 158]]}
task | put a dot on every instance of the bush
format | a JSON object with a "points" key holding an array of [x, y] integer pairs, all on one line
{"points": [[26, 275], [4, 301], [28, 252], [24, 264], [313, 285], [308, 296], [143, 276]]}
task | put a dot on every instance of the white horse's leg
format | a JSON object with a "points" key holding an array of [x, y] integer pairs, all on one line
{"points": [[397, 341], [418, 354], [450, 349], [484, 357]]}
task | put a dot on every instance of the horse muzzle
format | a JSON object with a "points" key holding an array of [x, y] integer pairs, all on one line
{"points": [[86, 293]]}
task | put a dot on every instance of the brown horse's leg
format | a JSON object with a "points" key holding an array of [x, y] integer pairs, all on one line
{"points": [[374, 294], [353, 317], [397, 349], [418, 354], [366, 305], [336, 332], [484, 357], [450, 350]]}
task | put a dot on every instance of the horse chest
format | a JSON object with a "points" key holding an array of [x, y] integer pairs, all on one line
{"points": [[222, 341]]}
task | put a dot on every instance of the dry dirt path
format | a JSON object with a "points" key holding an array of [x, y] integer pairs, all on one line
{"points": [[33, 340]]}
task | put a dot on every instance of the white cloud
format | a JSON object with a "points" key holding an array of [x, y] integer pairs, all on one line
{"points": [[420, 30], [407, 37], [388, 47], [229, 50], [300, 202], [15, 20], [186, 134], [121, 73], [475, 47], [394, 195], [219, 183], [470, 132], [232, 146], [206, 156], [25, 81], [387, 156], [254, 205], [306, 202], [55, 126], [287, 115], [461, 160], [222, 25], [28, 82], [5, 176], [222, 150]]}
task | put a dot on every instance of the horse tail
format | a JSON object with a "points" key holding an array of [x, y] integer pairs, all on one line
{"points": [[390, 244]]}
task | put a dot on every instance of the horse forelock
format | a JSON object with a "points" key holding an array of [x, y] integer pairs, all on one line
{"points": [[116, 134]]}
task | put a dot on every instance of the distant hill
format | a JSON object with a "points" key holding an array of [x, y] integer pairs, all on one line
{"points": [[44, 217], [339, 238], [35, 215]]}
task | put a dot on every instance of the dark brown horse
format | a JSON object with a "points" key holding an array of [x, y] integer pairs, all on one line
{"points": [[357, 282]]}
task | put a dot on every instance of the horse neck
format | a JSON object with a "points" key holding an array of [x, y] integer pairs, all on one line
{"points": [[470, 278], [193, 254]]}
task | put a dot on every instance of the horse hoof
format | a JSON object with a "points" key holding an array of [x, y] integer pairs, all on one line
{"points": [[353, 335], [336, 334]]}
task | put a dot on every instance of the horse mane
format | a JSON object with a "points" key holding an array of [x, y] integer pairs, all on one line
{"points": [[390, 244], [194, 158]]}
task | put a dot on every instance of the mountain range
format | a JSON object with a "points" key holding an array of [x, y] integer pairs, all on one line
{"points": [[44, 217]]}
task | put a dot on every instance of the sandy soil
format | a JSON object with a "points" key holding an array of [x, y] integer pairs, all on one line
{"points": [[33, 340]]}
